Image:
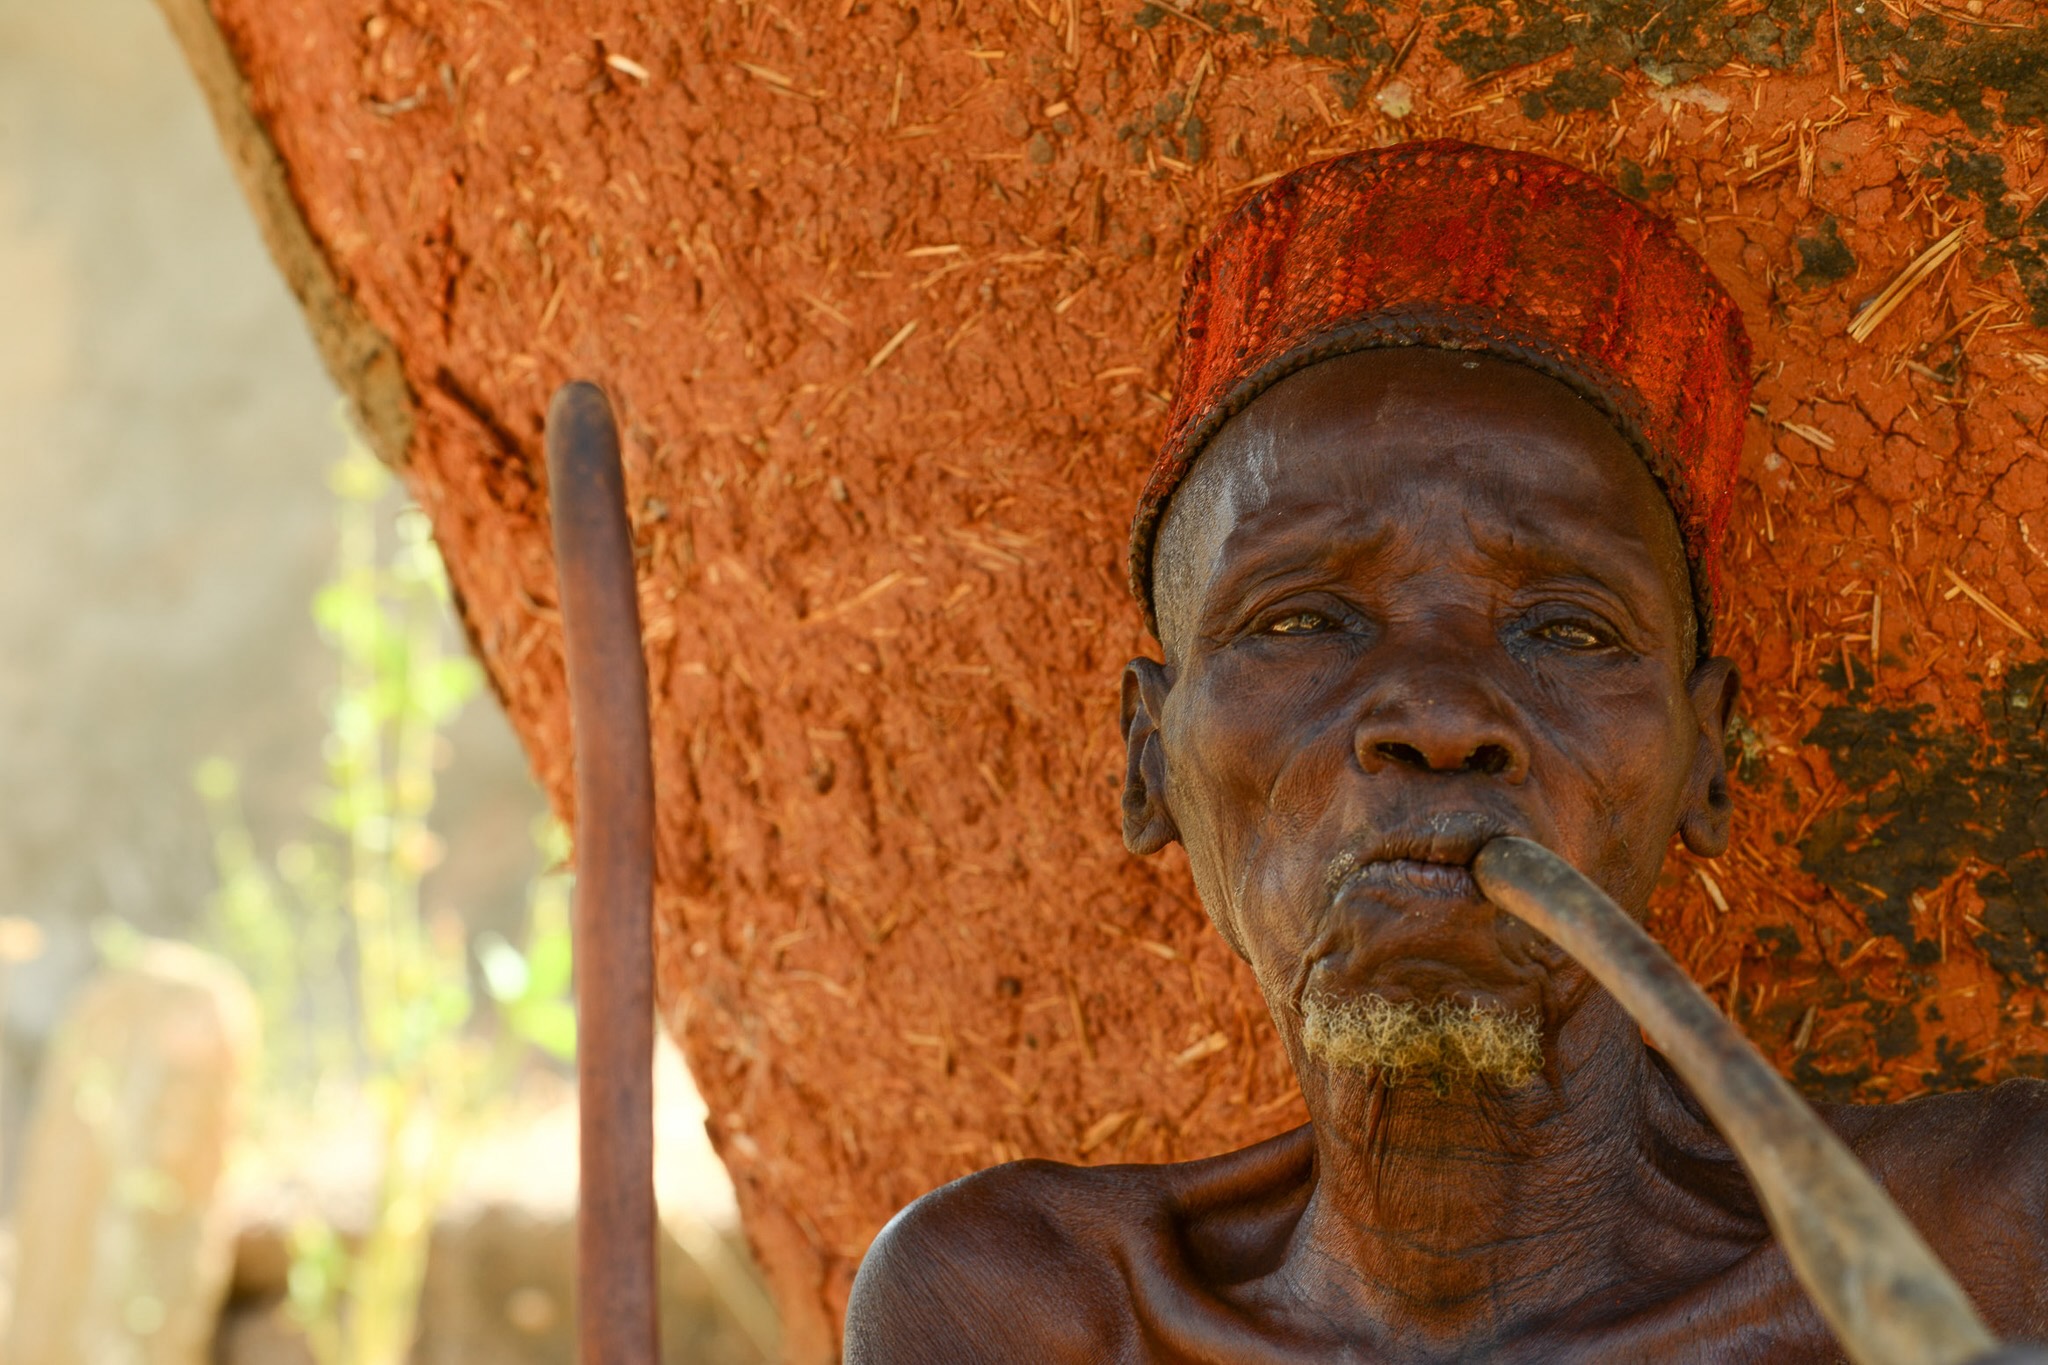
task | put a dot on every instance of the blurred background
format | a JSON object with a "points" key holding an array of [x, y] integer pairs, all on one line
{"points": [[283, 962]]}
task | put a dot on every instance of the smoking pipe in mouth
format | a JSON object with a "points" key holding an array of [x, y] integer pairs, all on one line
{"points": [[1888, 1298]]}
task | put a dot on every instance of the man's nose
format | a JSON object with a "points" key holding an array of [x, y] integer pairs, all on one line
{"points": [[1448, 722]]}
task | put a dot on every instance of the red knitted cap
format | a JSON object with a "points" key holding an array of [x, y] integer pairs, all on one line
{"points": [[1469, 248]]}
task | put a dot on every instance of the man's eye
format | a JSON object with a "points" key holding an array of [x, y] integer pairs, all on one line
{"points": [[1571, 635], [1299, 623]]}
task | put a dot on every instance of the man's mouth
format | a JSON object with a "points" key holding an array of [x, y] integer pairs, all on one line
{"points": [[1431, 857], [1450, 880]]}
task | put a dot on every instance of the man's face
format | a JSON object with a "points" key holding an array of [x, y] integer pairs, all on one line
{"points": [[1412, 599]]}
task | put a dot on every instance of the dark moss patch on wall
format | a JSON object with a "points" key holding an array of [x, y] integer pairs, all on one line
{"points": [[1839, 1065], [1982, 75], [1780, 941], [1824, 258], [1670, 41], [1967, 172], [1952, 69], [1894, 1029], [1216, 15], [1835, 1087], [1351, 33], [1952, 1070], [1985, 77], [1927, 800], [1971, 174], [2029, 258], [1633, 183], [1171, 127]]}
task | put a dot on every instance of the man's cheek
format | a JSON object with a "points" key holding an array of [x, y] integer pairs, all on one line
{"points": [[1284, 905], [1228, 782], [1619, 824]]}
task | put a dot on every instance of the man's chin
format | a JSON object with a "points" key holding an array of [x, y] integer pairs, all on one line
{"points": [[1425, 952], [1444, 1043]]}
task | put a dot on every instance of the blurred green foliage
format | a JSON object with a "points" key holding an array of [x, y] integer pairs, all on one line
{"points": [[366, 996]]}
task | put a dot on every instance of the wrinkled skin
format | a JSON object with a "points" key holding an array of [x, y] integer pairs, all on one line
{"points": [[1411, 600]]}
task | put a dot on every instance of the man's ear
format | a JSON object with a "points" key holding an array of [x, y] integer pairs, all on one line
{"points": [[1704, 824], [1148, 827]]}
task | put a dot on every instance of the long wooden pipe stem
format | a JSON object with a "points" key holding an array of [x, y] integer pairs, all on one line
{"points": [[1888, 1298], [617, 1313]]}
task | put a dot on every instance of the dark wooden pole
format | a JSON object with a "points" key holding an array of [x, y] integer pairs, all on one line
{"points": [[617, 1316]]}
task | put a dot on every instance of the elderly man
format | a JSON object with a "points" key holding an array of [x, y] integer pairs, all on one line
{"points": [[1432, 556]]}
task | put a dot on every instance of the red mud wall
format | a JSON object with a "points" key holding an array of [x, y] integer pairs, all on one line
{"points": [[885, 292]]}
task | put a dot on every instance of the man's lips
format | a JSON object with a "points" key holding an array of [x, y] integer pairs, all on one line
{"points": [[1449, 880], [1430, 856]]}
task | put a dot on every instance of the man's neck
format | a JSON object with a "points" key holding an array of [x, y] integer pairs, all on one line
{"points": [[1434, 1214]]}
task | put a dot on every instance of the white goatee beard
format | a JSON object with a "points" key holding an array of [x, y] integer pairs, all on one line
{"points": [[1443, 1043]]}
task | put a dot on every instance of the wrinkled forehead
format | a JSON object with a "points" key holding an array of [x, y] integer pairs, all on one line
{"points": [[1390, 435]]}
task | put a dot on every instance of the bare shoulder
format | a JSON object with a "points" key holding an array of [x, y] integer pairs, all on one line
{"points": [[1970, 1169], [1042, 1263], [1014, 1263], [1978, 1139]]}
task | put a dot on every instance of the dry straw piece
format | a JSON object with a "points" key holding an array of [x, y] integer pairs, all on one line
{"points": [[1990, 608], [1907, 280], [1811, 433], [889, 346]]}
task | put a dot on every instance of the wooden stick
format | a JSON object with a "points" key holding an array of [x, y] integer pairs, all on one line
{"points": [[1888, 1298], [617, 1313]]}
